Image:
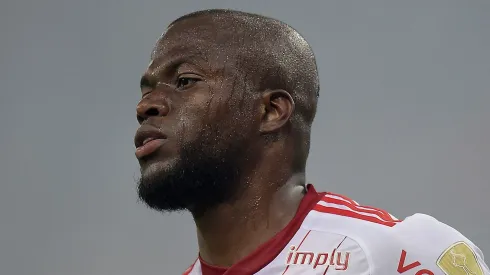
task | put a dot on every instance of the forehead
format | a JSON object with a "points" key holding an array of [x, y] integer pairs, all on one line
{"points": [[196, 38]]}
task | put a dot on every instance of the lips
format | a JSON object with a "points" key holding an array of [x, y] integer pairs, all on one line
{"points": [[147, 140]]}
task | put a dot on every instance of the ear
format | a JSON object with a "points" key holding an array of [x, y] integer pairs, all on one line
{"points": [[278, 106]]}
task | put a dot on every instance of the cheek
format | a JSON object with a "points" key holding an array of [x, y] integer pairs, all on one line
{"points": [[191, 119], [214, 114]]}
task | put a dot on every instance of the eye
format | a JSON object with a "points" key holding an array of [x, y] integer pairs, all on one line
{"points": [[186, 82]]}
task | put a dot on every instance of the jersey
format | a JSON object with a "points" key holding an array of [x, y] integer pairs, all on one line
{"points": [[332, 234]]}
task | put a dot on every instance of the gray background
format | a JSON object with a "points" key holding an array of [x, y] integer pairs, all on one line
{"points": [[403, 123]]}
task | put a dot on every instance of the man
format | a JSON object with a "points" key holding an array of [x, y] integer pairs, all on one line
{"points": [[226, 111]]}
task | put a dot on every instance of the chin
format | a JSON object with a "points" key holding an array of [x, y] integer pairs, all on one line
{"points": [[194, 179], [156, 186]]}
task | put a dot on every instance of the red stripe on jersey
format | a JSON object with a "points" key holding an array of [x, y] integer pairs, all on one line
{"points": [[364, 207], [352, 214], [358, 208], [343, 197], [370, 207]]}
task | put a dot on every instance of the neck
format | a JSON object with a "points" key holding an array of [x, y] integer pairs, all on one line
{"points": [[229, 232]]}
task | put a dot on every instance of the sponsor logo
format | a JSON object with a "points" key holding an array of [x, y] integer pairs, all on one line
{"points": [[404, 266], [459, 259], [337, 259]]}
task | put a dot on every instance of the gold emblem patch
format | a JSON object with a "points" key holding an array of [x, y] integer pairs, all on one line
{"points": [[459, 259]]}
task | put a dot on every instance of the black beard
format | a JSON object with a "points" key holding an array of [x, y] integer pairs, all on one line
{"points": [[204, 176]]}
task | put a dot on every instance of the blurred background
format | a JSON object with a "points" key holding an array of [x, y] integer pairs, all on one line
{"points": [[403, 123]]}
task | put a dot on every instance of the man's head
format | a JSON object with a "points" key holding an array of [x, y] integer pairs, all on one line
{"points": [[223, 89]]}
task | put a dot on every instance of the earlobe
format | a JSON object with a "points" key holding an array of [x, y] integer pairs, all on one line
{"points": [[278, 109]]}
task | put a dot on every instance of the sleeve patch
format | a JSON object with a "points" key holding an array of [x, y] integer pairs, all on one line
{"points": [[459, 259]]}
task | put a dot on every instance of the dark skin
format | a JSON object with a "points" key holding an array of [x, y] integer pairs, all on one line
{"points": [[193, 93]]}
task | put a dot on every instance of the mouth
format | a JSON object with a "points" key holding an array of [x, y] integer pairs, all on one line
{"points": [[147, 140]]}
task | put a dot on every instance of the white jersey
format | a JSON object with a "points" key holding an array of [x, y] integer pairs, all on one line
{"points": [[332, 234]]}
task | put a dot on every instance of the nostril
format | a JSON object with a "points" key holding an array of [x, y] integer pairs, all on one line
{"points": [[152, 112], [143, 112]]}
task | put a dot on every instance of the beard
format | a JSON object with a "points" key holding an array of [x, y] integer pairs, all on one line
{"points": [[205, 174]]}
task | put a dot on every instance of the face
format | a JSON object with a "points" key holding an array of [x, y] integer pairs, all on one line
{"points": [[196, 120]]}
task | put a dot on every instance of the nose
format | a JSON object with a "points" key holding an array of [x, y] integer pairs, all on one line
{"points": [[151, 106]]}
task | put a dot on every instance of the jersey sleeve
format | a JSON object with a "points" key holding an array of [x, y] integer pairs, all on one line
{"points": [[426, 246]]}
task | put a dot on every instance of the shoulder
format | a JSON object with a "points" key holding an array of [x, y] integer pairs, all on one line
{"points": [[419, 244], [437, 248]]}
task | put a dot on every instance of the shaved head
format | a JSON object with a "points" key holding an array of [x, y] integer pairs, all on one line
{"points": [[229, 88]]}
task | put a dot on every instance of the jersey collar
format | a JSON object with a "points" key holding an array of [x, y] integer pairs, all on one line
{"points": [[268, 251]]}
